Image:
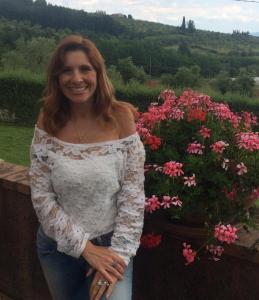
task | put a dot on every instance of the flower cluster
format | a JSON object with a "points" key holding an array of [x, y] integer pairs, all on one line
{"points": [[150, 240], [200, 155]]}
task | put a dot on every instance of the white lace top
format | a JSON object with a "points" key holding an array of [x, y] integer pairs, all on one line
{"points": [[81, 191]]}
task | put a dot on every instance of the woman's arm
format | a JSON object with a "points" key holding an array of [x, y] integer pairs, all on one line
{"points": [[131, 198], [70, 237]]}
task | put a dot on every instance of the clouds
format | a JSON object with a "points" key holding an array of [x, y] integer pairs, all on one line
{"points": [[220, 15]]}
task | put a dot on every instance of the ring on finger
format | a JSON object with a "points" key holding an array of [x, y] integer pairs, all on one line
{"points": [[102, 282], [114, 264]]}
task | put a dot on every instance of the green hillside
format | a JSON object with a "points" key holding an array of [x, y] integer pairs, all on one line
{"points": [[158, 48]]}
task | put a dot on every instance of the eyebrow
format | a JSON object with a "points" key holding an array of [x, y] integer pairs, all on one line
{"points": [[83, 65]]}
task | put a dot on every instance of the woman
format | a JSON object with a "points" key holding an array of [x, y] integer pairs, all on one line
{"points": [[86, 179]]}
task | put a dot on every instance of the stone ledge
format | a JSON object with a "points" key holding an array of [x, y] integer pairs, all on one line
{"points": [[14, 177]]}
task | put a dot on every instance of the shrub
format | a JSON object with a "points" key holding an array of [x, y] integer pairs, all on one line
{"points": [[20, 92], [201, 158]]}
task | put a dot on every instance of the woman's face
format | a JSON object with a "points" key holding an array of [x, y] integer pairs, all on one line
{"points": [[78, 79]]}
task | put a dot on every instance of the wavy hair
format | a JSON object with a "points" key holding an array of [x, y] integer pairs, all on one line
{"points": [[56, 109]]}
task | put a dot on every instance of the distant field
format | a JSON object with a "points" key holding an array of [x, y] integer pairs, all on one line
{"points": [[15, 143]]}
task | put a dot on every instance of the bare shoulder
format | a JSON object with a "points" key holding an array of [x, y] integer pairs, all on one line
{"points": [[40, 121], [124, 115]]}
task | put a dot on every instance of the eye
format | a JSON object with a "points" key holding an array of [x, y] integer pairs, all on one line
{"points": [[66, 70], [86, 69]]}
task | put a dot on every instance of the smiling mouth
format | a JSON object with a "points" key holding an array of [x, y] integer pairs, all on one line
{"points": [[78, 90]]}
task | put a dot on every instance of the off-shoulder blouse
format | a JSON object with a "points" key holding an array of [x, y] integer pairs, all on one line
{"points": [[82, 191]]}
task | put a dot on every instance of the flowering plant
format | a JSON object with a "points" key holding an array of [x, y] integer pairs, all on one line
{"points": [[201, 158]]}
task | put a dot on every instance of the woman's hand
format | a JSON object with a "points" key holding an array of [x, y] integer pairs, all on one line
{"points": [[96, 290], [104, 260]]}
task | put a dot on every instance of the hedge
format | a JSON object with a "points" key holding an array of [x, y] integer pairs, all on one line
{"points": [[21, 91]]}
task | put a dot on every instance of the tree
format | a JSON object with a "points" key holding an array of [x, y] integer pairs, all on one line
{"points": [[223, 82], [187, 77], [32, 55], [244, 83], [40, 2], [183, 26], [167, 79], [129, 71], [114, 75], [191, 26], [184, 48]]}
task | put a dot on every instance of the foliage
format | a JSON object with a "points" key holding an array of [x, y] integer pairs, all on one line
{"points": [[129, 70], [244, 83], [183, 25], [20, 93], [151, 45], [202, 159], [32, 55], [222, 82], [187, 77], [191, 26]]}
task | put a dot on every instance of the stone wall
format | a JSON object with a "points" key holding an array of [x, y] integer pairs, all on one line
{"points": [[20, 272]]}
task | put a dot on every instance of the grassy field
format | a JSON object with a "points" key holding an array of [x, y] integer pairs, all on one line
{"points": [[15, 143]]}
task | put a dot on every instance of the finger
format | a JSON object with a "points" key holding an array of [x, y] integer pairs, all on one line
{"points": [[94, 292], [106, 275], [109, 290], [90, 271], [95, 288], [115, 273], [94, 283], [119, 260], [120, 269], [100, 292]]}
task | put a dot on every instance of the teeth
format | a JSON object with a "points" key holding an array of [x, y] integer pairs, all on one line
{"points": [[80, 89]]}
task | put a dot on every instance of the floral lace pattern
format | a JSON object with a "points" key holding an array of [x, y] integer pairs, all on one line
{"points": [[81, 191]]}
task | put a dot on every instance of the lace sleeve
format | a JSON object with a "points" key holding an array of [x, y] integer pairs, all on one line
{"points": [[130, 203], [71, 238]]}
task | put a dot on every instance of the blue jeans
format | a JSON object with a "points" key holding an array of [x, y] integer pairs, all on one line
{"points": [[66, 275]]}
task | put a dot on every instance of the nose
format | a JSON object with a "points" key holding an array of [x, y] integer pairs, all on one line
{"points": [[77, 77]]}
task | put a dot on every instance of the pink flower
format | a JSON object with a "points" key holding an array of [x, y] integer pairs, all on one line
{"points": [[153, 141], [225, 164], [232, 194], [248, 141], [167, 202], [219, 146], [225, 233], [205, 132], [188, 253], [152, 204], [249, 119], [215, 251], [147, 168], [150, 240], [195, 148], [168, 95], [190, 181], [196, 114], [242, 169], [223, 112], [176, 201], [176, 114], [173, 168], [142, 131]]}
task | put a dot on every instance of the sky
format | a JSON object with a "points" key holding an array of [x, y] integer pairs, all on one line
{"points": [[215, 15]]}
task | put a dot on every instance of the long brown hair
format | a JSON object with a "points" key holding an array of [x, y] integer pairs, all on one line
{"points": [[56, 110]]}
